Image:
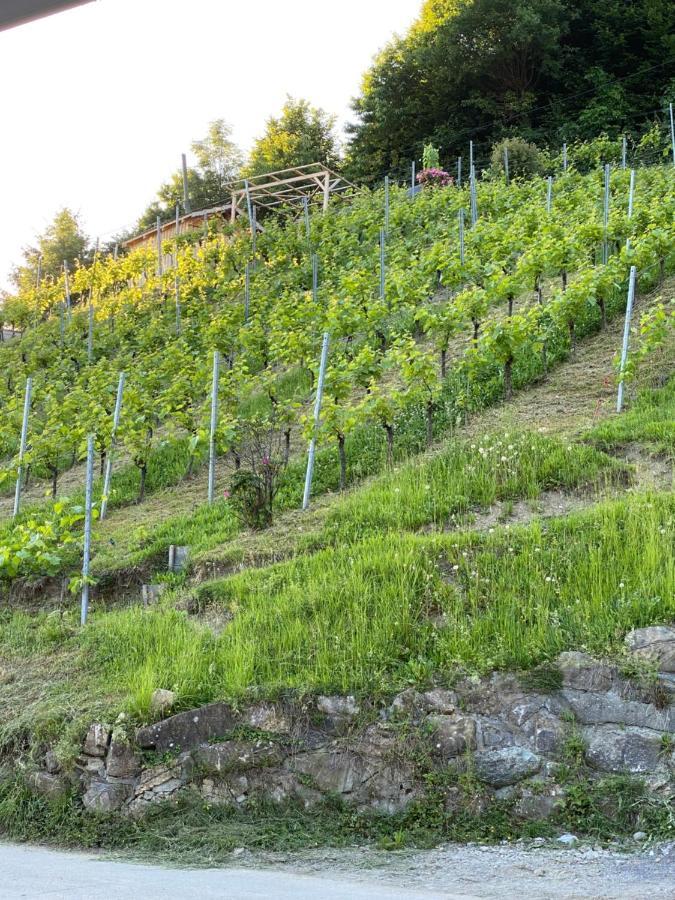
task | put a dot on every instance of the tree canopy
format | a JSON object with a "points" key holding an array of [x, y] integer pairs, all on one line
{"points": [[302, 134], [63, 240], [547, 70]]}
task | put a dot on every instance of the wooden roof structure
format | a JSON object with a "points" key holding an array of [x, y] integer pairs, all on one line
{"points": [[287, 186]]}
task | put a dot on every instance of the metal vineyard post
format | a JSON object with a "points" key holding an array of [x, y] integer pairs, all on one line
{"points": [[89, 483], [317, 416], [22, 446], [109, 461]]}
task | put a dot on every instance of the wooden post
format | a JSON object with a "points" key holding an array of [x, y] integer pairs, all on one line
{"points": [[186, 196], [22, 446], [214, 425], [89, 483], [109, 461], [626, 336], [317, 417]]}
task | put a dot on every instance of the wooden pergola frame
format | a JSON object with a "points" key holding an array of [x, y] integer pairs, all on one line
{"points": [[286, 186]]}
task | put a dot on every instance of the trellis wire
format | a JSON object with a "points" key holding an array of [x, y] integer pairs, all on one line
{"points": [[22, 446], [109, 461], [626, 337], [317, 416], [89, 483], [214, 425]]}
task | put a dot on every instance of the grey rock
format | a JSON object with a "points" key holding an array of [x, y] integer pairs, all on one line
{"points": [[266, 717], [609, 708], [231, 756], [103, 796], [161, 701], [507, 765], [630, 750], [493, 734], [581, 672], [53, 787], [339, 707], [442, 701], [568, 840], [655, 645], [187, 730], [409, 704], [452, 735], [537, 807], [640, 836], [122, 761], [52, 764], [97, 739]]}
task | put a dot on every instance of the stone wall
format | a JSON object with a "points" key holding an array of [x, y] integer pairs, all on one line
{"points": [[511, 737]]}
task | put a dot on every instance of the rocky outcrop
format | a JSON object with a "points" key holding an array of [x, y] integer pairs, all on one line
{"points": [[510, 737]]}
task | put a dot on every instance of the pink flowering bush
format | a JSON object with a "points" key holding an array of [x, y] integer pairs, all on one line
{"points": [[434, 177]]}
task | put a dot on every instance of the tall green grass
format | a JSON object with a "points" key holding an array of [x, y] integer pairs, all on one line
{"points": [[651, 420], [394, 610]]}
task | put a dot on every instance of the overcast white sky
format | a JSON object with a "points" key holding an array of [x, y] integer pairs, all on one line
{"points": [[98, 103]]}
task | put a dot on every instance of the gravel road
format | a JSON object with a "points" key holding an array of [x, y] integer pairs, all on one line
{"points": [[452, 872]]}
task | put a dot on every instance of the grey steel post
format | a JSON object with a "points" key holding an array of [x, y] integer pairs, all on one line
{"points": [[109, 461], [84, 609], [214, 425], [461, 236], [254, 231], [382, 264], [305, 212], [672, 130], [459, 171], [67, 286], [175, 236], [549, 193], [317, 417], [247, 290], [470, 155], [90, 333], [506, 163], [631, 193], [386, 204], [116, 250], [626, 336], [315, 277], [22, 446], [186, 196], [249, 207], [623, 152], [564, 157], [160, 265], [605, 217], [474, 199]]}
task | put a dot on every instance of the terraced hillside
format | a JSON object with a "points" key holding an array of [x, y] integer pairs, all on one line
{"points": [[478, 505]]}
